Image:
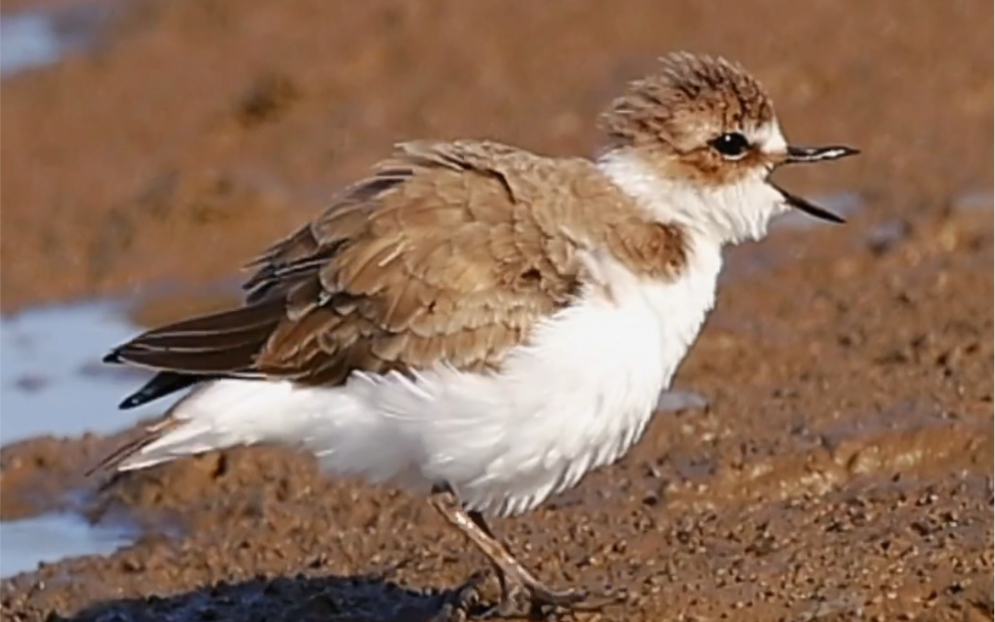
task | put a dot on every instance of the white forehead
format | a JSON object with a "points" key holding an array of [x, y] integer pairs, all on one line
{"points": [[767, 136]]}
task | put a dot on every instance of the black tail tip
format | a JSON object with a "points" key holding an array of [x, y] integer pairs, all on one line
{"points": [[132, 401]]}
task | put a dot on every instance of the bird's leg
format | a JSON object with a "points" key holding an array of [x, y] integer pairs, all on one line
{"points": [[507, 601], [508, 567]]}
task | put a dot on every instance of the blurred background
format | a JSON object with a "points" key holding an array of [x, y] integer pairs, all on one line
{"points": [[151, 147]]}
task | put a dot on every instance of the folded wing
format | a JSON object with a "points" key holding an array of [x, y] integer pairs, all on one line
{"points": [[434, 258]]}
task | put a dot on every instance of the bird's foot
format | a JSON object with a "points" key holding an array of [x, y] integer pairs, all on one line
{"points": [[520, 596], [529, 597], [459, 604], [543, 600], [513, 577]]}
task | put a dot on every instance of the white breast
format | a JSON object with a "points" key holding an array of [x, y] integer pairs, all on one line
{"points": [[576, 398]]}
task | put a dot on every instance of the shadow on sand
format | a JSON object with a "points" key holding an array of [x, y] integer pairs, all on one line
{"points": [[288, 599]]}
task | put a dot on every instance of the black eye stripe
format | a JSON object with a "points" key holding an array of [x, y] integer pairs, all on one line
{"points": [[730, 145]]}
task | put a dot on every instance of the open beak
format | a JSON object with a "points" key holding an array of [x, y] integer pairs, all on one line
{"points": [[809, 208], [801, 155]]}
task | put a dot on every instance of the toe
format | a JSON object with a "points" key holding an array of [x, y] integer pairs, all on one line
{"points": [[572, 600], [458, 603]]}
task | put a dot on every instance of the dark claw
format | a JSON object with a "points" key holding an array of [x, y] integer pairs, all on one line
{"points": [[459, 603]]}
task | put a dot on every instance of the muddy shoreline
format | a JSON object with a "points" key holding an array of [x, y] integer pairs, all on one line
{"points": [[841, 464]]}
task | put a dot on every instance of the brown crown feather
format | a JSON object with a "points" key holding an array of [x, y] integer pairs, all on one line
{"points": [[688, 101]]}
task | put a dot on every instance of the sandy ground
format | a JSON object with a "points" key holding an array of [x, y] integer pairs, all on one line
{"points": [[843, 466]]}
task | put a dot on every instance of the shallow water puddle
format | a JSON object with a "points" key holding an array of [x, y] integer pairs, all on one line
{"points": [[51, 377], [51, 537], [36, 38], [52, 382]]}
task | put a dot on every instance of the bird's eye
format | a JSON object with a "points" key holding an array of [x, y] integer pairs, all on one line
{"points": [[732, 146]]}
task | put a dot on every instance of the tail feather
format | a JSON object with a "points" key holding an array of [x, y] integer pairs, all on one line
{"points": [[124, 452], [233, 361], [162, 384], [199, 343], [214, 324], [340, 425], [206, 419], [216, 415], [198, 349]]}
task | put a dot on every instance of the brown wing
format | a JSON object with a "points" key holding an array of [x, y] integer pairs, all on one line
{"points": [[441, 256]]}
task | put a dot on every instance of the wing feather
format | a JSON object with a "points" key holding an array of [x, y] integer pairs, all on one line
{"points": [[432, 259]]}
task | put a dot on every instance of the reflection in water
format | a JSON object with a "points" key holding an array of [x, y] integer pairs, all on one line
{"points": [[51, 377], [50, 537]]}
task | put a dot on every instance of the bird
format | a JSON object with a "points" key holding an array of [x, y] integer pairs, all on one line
{"points": [[480, 323]]}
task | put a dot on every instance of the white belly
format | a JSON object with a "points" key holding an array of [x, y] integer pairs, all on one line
{"points": [[575, 399]]}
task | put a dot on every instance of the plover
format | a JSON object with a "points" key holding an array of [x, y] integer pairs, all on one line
{"points": [[482, 323]]}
